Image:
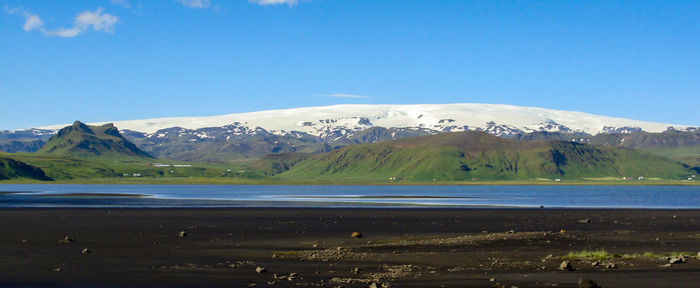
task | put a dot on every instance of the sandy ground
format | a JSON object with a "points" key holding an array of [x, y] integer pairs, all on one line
{"points": [[313, 247]]}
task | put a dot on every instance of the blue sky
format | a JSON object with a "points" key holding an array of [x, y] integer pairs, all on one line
{"points": [[129, 59]]}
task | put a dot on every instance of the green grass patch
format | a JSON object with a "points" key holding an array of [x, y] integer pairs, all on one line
{"points": [[600, 255], [588, 255], [286, 253]]}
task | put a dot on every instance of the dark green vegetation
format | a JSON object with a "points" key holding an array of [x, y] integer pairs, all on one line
{"points": [[100, 154], [11, 168], [478, 155]]}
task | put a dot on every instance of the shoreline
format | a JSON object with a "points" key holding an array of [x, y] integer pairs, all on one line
{"points": [[212, 181], [406, 247]]}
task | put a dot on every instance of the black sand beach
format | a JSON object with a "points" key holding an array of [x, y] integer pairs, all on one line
{"points": [[313, 247]]}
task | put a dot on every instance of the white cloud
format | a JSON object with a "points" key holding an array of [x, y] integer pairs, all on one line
{"points": [[97, 20], [346, 96], [124, 3], [32, 21], [274, 2], [201, 4]]}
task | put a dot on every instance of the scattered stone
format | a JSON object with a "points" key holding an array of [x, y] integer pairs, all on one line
{"points": [[610, 266], [511, 231], [678, 259], [67, 239], [562, 231], [182, 234], [355, 270], [565, 266], [584, 221], [59, 269], [587, 283], [252, 285], [667, 265], [86, 251], [24, 241], [260, 270], [595, 263], [356, 235], [492, 280]]}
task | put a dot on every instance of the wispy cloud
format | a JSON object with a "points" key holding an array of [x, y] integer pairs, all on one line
{"points": [[124, 3], [96, 20], [200, 4], [274, 2], [31, 21], [345, 96]]}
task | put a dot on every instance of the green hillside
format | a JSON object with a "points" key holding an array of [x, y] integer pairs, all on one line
{"points": [[469, 155], [11, 169], [92, 141]]}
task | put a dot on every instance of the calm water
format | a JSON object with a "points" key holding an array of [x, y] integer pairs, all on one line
{"points": [[19, 195]]}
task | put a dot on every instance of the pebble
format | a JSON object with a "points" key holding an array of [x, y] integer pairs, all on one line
{"points": [[356, 235], [67, 239], [182, 234], [260, 270], [86, 251], [587, 283], [565, 266]]}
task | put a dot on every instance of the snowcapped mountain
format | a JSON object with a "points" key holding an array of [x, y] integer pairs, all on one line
{"points": [[320, 129], [326, 121]]}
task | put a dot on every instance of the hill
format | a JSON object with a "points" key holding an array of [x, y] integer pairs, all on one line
{"points": [[10, 169], [90, 141], [468, 155]]}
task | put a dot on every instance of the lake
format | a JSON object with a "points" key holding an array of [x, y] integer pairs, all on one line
{"points": [[174, 196]]}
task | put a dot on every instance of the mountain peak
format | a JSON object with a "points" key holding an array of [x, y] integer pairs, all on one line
{"points": [[80, 139]]}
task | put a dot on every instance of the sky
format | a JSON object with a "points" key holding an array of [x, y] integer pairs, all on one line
{"points": [[109, 60]]}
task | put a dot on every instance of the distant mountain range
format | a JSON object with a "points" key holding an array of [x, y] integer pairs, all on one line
{"points": [[322, 129], [85, 151]]}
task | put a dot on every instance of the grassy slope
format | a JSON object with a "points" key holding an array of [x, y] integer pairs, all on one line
{"points": [[71, 168], [12, 169], [686, 154], [463, 156]]}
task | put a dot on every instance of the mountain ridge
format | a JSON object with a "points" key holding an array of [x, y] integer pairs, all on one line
{"points": [[454, 117], [461, 156]]}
